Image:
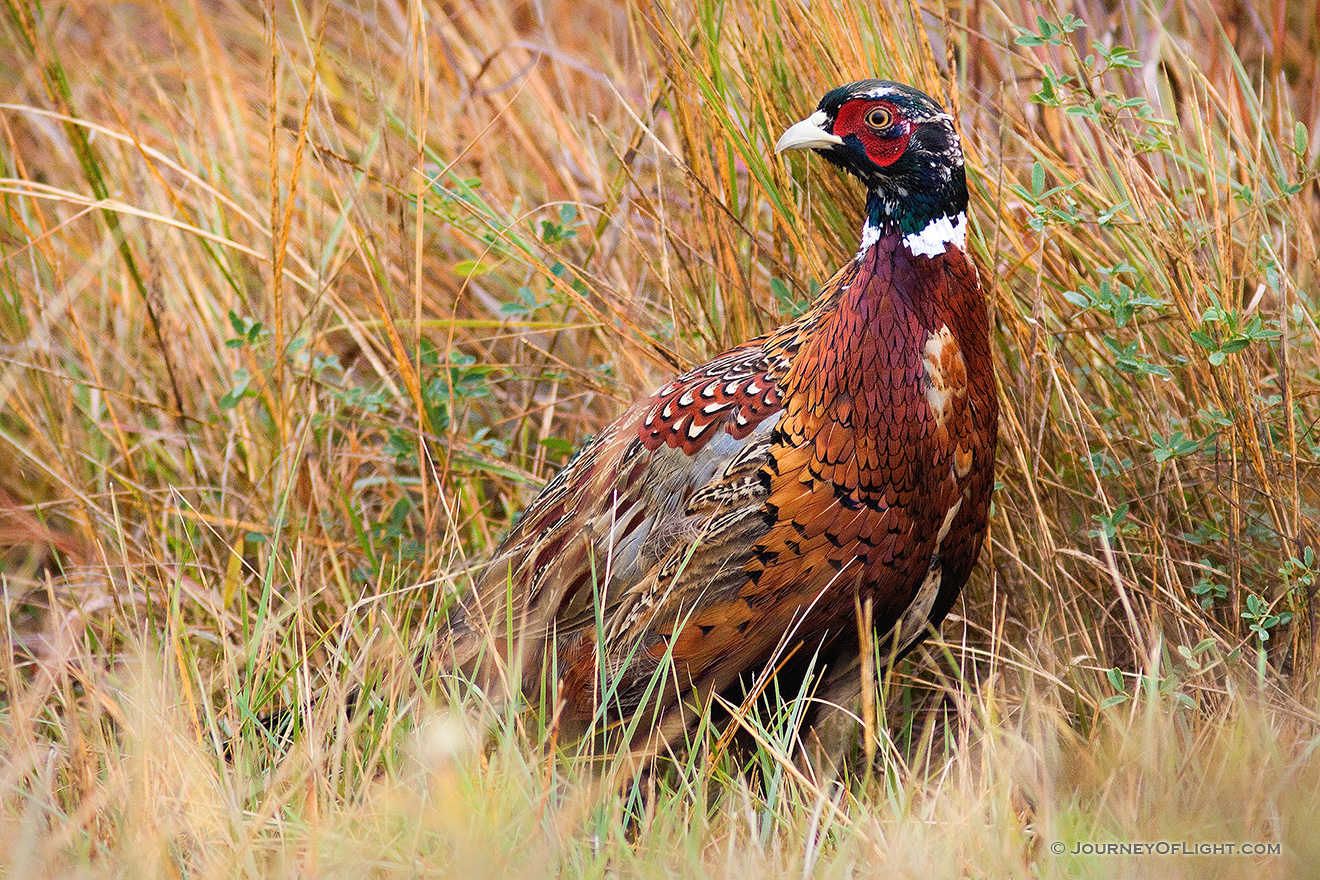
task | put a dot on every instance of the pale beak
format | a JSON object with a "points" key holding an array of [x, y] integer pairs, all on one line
{"points": [[808, 135]]}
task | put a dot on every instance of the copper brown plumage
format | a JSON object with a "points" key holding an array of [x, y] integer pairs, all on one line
{"points": [[742, 512]]}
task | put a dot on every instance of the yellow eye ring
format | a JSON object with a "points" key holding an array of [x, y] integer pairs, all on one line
{"points": [[879, 118]]}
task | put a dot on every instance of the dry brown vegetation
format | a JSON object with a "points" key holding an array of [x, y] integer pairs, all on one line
{"points": [[300, 308]]}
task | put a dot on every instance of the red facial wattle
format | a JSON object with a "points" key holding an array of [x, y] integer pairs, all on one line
{"points": [[882, 147]]}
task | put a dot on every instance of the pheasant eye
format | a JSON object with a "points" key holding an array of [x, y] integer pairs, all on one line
{"points": [[879, 118]]}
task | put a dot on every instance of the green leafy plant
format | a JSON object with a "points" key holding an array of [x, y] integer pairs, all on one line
{"points": [[1262, 618], [1229, 332], [1113, 298]]}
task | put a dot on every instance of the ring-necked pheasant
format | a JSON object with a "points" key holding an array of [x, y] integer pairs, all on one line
{"points": [[741, 514]]}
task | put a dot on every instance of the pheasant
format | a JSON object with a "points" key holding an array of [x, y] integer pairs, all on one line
{"points": [[730, 525]]}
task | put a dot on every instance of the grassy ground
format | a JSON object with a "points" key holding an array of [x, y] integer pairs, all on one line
{"points": [[299, 310]]}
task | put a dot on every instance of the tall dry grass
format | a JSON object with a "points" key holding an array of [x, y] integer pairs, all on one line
{"points": [[300, 306]]}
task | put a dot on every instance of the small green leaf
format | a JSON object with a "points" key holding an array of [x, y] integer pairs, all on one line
{"points": [[558, 446], [1107, 217], [1081, 300], [1123, 57], [1070, 23], [1300, 138], [1108, 702], [235, 394], [468, 268]]}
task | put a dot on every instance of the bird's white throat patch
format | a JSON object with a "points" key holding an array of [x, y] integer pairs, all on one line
{"points": [[931, 241], [937, 236]]}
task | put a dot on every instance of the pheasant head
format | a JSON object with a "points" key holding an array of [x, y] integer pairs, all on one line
{"points": [[902, 146]]}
